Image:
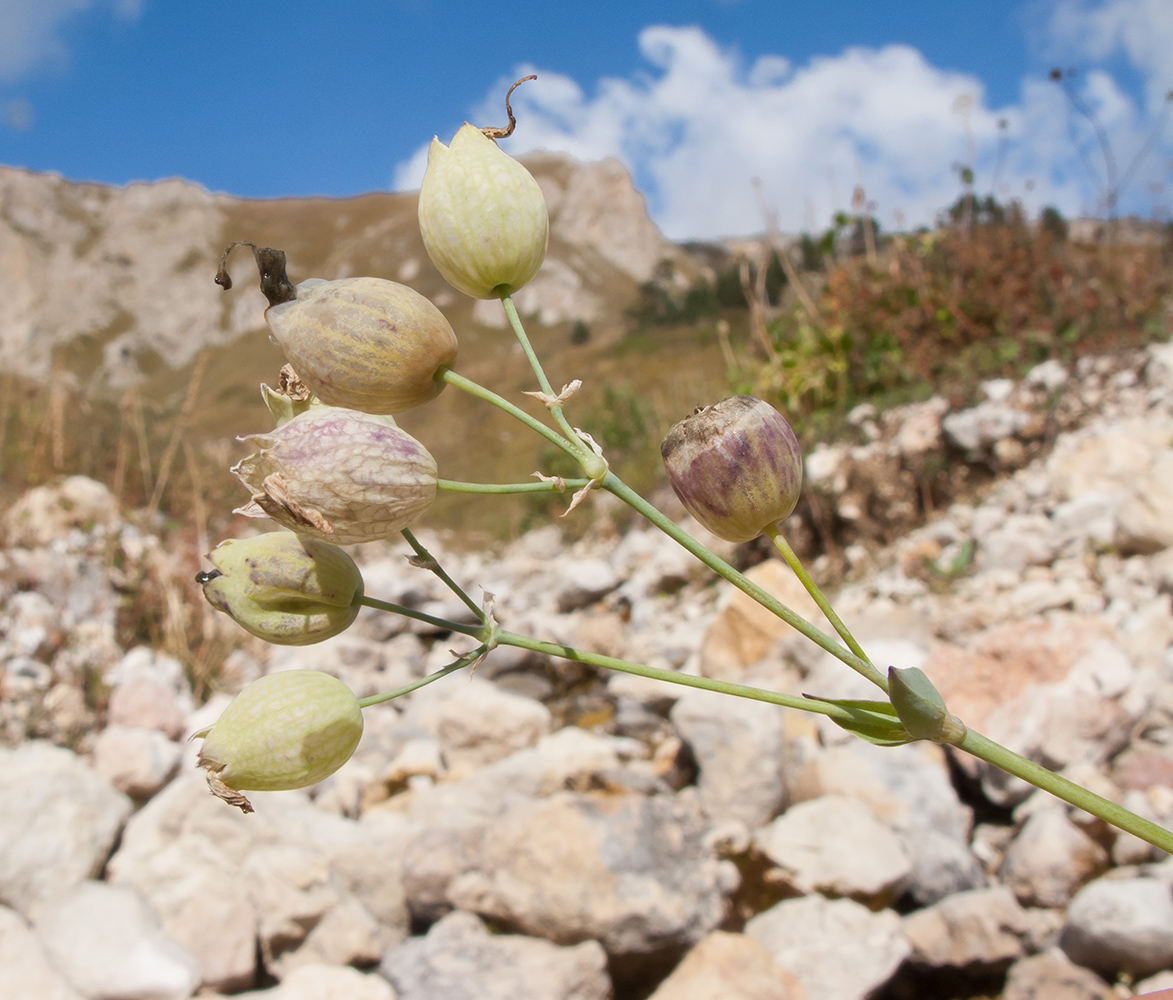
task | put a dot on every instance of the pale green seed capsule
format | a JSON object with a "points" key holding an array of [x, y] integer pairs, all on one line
{"points": [[284, 589], [482, 216], [285, 730]]}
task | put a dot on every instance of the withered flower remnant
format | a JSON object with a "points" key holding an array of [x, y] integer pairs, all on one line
{"points": [[339, 476], [736, 466], [285, 730], [285, 589]]}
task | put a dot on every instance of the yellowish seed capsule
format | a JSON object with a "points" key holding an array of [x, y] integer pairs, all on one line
{"points": [[364, 343], [285, 730]]}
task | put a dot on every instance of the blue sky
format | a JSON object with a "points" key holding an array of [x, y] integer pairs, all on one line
{"points": [[697, 97]]}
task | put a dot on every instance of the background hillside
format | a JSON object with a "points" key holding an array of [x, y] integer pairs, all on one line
{"points": [[110, 301]]}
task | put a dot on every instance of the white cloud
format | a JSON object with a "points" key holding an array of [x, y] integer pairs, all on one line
{"points": [[30, 35], [1141, 30], [701, 125]]}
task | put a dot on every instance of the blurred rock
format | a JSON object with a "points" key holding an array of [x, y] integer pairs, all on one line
{"points": [[136, 761], [982, 425], [106, 941], [46, 513], [58, 822], [582, 582], [982, 927], [476, 723], [732, 967], [322, 982], [629, 871], [25, 972], [459, 959], [218, 879], [1121, 925], [739, 748], [1050, 859], [835, 845], [744, 632], [836, 949], [1052, 976], [908, 788]]}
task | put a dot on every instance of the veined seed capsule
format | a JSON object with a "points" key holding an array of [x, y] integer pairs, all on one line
{"points": [[736, 466], [283, 588], [363, 343], [284, 730], [338, 476], [482, 216]]}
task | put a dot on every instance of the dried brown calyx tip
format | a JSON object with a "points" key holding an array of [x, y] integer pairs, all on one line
{"points": [[271, 263], [507, 131], [290, 384]]}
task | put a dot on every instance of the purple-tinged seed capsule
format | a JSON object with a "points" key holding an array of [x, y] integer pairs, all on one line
{"points": [[284, 730], [338, 476], [736, 466]]}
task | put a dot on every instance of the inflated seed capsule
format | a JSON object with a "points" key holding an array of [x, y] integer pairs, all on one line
{"points": [[482, 215], [284, 730], [363, 343], [736, 466], [338, 476], [284, 589]]}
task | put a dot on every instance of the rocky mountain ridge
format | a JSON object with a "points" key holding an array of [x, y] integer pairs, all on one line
{"points": [[119, 280]]}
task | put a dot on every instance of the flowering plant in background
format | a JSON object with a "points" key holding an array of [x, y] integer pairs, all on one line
{"points": [[343, 475]]}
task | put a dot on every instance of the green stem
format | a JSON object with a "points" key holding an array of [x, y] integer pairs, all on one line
{"points": [[480, 392], [451, 486], [996, 754], [436, 568], [377, 699], [476, 631], [812, 588], [613, 484], [505, 638], [535, 364]]}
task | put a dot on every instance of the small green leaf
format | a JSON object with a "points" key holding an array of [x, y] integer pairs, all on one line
{"points": [[874, 721]]}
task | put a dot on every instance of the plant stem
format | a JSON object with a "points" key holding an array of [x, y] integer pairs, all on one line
{"points": [[812, 588], [473, 389], [476, 631], [451, 486], [535, 364], [431, 564], [804, 704], [377, 699], [996, 754], [613, 484]]}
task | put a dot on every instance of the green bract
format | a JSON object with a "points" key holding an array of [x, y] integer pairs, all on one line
{"points": [[285, 730], [284, 589], [482, 216]]}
